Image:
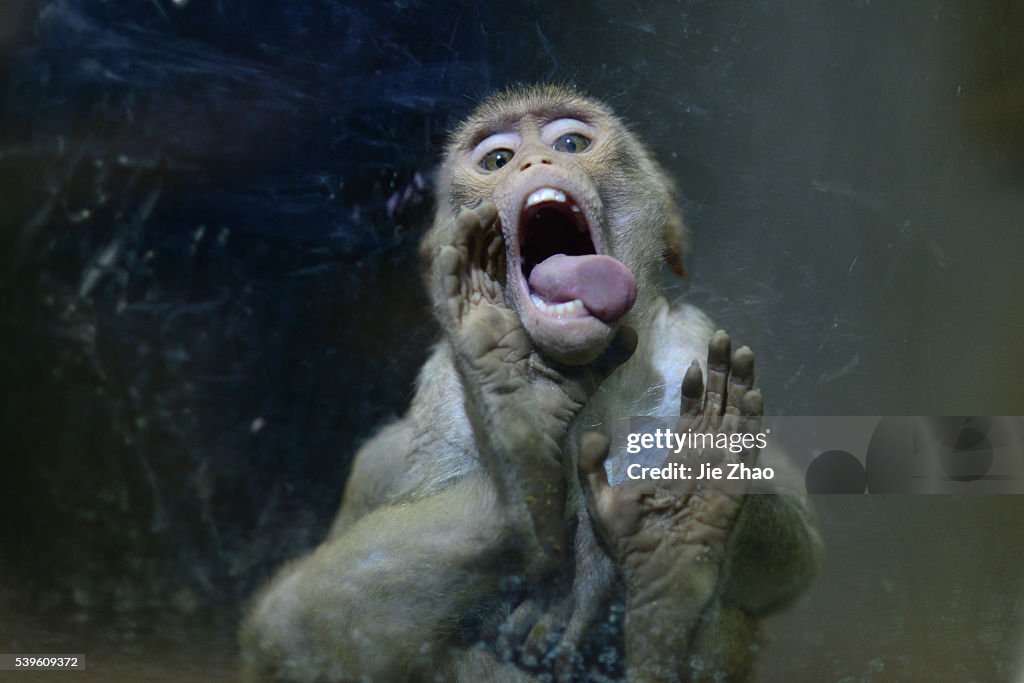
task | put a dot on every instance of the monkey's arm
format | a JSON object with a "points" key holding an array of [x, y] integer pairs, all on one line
{"points": [[773, 554], [519, 404], [702, 559]]}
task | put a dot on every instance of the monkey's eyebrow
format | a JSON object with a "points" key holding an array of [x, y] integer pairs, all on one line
{"points": [[503, 123], [565, 111], [484, 129]]}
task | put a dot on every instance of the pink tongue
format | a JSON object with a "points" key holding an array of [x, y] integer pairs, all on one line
{"points": [[604, 285]]}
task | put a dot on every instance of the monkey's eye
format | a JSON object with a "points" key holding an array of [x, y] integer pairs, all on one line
{"points": [[573, 143], [497, 158]]}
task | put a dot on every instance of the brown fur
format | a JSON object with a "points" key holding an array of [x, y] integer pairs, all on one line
{"points": [[425, 535]]}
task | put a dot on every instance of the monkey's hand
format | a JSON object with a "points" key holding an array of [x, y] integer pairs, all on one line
{"points": [[491, 344], [520, 403], [670, 536], [489, 341]]}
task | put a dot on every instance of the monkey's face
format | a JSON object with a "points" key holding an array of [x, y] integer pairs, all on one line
{"points": [[581, 208]]}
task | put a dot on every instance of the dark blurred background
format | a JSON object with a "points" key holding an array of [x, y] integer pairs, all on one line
{"points": [[209, 293]]}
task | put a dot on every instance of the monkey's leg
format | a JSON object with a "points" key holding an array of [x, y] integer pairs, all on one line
{"points": [[547, 631], [382, 601]]}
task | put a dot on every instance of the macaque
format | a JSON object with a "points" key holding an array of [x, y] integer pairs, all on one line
{"points": [[479, 537]]}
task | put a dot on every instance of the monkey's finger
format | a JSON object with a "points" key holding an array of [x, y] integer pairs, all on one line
{"points": [[483, 234], [469, 220], [690, 396], [470, 225], [741, 380], [567, 662], [449, 275], [567, 657], [487, 213], [693, 458], [449, 270], [466, 222], [515, 628], [752, 418], [495, 254], [718, 371], [545, 633], [593, 452], [752, 404], [476, 220], [616, 511]]}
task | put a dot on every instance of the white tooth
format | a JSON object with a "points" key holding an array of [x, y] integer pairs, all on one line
{"points": [[568, 308], [564, 309], [545, 194]]}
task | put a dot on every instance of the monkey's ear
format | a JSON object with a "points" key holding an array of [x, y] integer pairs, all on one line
{"points": [[676, 239]]}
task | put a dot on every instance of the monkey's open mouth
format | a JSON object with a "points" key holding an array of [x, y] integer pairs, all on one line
{"points": [[552, 224], [565, 274]]}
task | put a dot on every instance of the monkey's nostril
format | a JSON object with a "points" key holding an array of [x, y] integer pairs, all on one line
{"points": [[528, 164]]}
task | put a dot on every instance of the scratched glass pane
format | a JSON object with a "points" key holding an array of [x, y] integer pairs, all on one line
{"points": [[211, 298]]}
